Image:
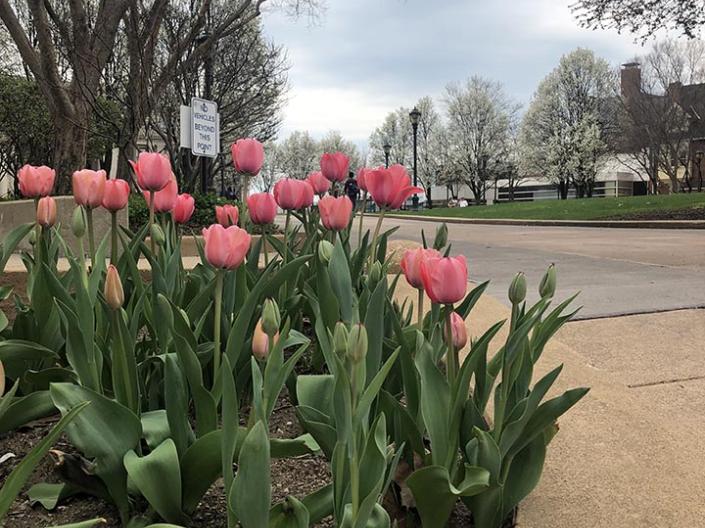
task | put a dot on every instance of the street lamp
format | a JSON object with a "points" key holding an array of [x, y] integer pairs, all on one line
{"points": [[414, 117], [201, 39], [387, 149]]}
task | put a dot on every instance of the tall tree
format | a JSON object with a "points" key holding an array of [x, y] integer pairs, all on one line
{"points": [[481, 118], [333, 141], [298, 155], [396, 132], [565, 129], [431, 137], [642, 18]]}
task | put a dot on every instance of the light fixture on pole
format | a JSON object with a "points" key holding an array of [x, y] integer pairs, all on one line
{"points": [[414, 117], [387, 149]]}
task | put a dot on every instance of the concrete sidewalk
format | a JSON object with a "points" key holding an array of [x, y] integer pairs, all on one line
{"points": [[630, 454]]}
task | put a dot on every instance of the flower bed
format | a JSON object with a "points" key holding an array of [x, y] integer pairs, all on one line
{"points": [[302, 393]]}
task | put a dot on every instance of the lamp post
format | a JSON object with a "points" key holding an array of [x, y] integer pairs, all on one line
{"points": [[207, 89], [387, 149], [414, 117]]}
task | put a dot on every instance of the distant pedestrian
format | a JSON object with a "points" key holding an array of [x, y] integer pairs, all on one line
{"points": [[352, 189]]}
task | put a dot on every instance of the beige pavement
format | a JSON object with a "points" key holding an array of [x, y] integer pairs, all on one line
{"points": [[626, 456]]}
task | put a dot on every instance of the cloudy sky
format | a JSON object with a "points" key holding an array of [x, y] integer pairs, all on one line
{"points": [[364, 58]]}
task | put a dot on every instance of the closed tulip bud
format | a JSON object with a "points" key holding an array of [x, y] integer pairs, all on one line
{"points": [[32, 237], [517, 290], [46, 211], [441, 237], [340, 339], [114, 295], [165, 311], [78, 222], [547, 287], [271, 319], [260, 342], [325, 251], [459, 333], [375, 274], [357, 343], [157, 234]]}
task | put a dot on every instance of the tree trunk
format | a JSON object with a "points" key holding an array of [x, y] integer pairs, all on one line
{"points": [[69, 150], [563, 189], [429, 203]]}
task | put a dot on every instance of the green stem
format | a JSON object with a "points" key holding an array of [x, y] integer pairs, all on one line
{"points": [[82, 251], [286, 237], [354, 463], [362, 217], [151, 220], [264, 247], [113, 237], [119, 356], [37, 235], [452, 354], [218, 299], [376, 234], [419, 316], [91, 235]]}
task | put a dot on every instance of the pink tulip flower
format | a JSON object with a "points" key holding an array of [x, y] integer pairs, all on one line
{"points": [[227, 215], [116, 195], [459, 333], [319, 183], [335, 212], [291, 194], [35, 182], [88, 187], [164, 200], [183, 209], [445, 279], [362, 178], [260, 342], [334, 166], [226, 248], [248, 156], [153, 171], [262, 208], [46, 211], [390, 187], [411, 264]]}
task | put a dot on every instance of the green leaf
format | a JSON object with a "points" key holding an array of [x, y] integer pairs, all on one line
{"points": [[230, 419], [14, 482], [25, 409], [435, 495], [10, 242], [341, 282], [177, 405], [158, 477], [374, 324], [251, 492], [292, 513], [155, 427], [524, 474], [50, 494]]}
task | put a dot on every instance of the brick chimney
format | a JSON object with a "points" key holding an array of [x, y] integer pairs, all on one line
{"points": [[631, 80]]}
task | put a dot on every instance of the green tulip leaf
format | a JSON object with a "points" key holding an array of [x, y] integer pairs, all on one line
{"points": [[250, 495]]}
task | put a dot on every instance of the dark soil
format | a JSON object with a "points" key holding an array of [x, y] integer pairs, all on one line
{"points": [[691, 213]]}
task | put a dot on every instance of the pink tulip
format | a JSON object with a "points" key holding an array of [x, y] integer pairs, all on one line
{"points": [[319, 183], [291, 194], [362, 178], [260, 342], [335, 212], [226, 248], [227, 215], [445, 279], [248, 156], [390, 187], [153, 171], [183, 209], [88, 187], [35, 182], [262, 207], [411, 264], [459, 333], [335, 166], [164, 200], [46, 211], [116, 195]]}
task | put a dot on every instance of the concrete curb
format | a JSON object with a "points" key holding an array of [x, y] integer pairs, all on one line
{"points": [[631, 224]]}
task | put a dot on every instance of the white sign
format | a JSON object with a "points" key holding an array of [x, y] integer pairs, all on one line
{"points": [[205, 128]]}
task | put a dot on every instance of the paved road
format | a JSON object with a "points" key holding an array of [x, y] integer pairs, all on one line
{"points": [[617, 271]]}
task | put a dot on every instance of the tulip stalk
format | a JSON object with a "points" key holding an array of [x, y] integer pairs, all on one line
{"points": [[380, 218], [362, 217], [151, 219], [37, 233], [218, 299], [113, 237], [91, 236], [452, 355], [419, 308]]}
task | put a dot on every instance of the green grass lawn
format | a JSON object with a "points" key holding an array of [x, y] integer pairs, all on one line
{"points": [[584, 209]]}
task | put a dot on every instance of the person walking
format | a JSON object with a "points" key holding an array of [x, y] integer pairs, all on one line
{"points": [[352, 190]]}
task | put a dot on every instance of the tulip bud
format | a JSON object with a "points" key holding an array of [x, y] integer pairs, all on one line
{"points": [[517, 290], [78, 222], [271, 319], [547, 287], [32, 237], [260, 342], [357, 343], [2, 379], [375, 274], [165, 311], [157, 234], [340, 339], [441, 237], [114, 295], [325, 251]]}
